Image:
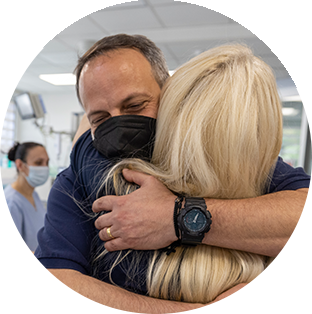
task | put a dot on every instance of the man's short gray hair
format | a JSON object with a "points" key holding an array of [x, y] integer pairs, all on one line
{"points": [[138, 42]]}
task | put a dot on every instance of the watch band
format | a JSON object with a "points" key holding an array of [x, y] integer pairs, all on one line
{"points": [[195, 201], [177, 208]]}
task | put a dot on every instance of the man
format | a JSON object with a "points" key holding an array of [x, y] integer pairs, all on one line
{"points": [[117, 77]]}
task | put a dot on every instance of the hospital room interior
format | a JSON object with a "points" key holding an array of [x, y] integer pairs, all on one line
{"points": [[44, 107]]}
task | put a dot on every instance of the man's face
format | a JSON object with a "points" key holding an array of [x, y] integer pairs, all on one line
{"points": [[120, 83]]}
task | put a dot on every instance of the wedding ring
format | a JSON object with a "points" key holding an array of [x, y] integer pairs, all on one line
{"points": [[109, 233]]}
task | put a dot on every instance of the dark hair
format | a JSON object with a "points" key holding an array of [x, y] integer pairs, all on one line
{"points": [[121, 41], [20, 151]]}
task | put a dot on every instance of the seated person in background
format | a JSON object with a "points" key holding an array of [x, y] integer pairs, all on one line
{"points": [[31, 161], [218, 135], [120, 76]]}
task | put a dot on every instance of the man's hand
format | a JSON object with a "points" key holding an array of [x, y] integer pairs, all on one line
{"points": [[142, 220], [247, 299]]}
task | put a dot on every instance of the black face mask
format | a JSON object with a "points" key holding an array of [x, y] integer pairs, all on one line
{"points": [[128, 136]]}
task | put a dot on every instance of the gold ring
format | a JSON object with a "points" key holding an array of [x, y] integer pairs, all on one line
{"points": [[109, 233]]}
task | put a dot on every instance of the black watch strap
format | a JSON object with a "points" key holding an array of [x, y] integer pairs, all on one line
{"points": [[177, 208], [195, 201]]}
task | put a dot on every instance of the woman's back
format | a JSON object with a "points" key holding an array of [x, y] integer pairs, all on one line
{"points": [[219, 132]]}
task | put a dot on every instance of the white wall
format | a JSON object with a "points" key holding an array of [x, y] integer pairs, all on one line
{"points": [[8, 175], [59, 109]]}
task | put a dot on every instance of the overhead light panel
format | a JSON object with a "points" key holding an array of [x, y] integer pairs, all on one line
{"points": [[59, 79], [295, 98]]}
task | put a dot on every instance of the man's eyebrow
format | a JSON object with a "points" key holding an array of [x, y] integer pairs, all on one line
{"points": [[129, 98], [93, 113], [136, 95]]}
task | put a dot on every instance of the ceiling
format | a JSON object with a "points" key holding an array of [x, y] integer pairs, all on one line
{"points": [[45, 36]]}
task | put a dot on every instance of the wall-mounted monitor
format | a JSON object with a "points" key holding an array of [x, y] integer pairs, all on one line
{"points": [[30, 105]]}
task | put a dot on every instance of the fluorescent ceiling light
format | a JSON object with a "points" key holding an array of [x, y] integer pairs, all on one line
{"points": [[291, 98], [59, 79], [290, 111]]}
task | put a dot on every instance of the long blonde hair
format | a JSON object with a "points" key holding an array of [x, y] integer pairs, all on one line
{"points": [[219, 132]]}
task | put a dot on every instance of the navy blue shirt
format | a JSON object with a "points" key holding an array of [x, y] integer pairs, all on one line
{"points": [[69, 239]]}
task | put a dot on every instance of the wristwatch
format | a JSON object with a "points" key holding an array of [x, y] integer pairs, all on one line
{"points": [[194, 220]]}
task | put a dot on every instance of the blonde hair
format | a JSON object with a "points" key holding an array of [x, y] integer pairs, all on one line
{"points": [[219, 132]]}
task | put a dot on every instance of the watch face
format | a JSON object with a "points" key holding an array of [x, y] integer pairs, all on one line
{"points": [[195, 220]]}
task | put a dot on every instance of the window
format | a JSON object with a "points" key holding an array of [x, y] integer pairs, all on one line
{"points": [[292, 115], [296, 147]]}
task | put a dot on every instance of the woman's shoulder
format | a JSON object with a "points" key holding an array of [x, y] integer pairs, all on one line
{"points": [[10, 192]]}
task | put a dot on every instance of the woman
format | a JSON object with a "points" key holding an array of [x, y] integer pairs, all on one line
{"points": [[31, 161], [219, 132]]}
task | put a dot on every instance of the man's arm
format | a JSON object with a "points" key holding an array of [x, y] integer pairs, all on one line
{"points": [[68, 291], [259, 225], [144, 219]]}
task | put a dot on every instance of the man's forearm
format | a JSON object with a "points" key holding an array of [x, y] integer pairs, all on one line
{"points": [[260, 225], [63, 291], [116, 297]]}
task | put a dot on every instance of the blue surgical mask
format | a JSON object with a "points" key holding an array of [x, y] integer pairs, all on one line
{"points": [[37, 175]]}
